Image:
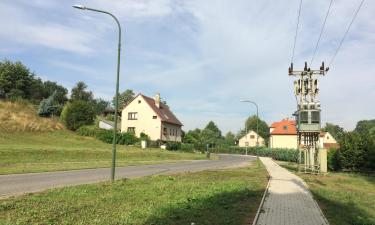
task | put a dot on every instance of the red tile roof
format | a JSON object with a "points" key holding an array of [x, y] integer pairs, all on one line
{"points": [[163, 111], [284, 127]]}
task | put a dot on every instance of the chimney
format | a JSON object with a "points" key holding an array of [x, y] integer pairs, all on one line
{"points": [[157, 100]]}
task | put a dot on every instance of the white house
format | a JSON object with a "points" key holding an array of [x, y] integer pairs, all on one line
{"points": [[150, 116], [250, 140]]}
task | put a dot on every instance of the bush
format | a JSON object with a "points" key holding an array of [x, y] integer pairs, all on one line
{"points": [[107, 135], [154, 144], [173, 146], [127, 138], [187, 147], [333, 162], [76, 114]]}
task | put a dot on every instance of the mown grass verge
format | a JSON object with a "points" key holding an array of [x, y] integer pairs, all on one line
{"points": [[24, 152], [209, 197], [345, 198]]}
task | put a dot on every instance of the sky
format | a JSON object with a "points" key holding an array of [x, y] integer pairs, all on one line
{"points": [[203, 56]]}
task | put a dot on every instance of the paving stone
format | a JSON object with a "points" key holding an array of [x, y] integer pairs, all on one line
{"points": [[288, 201]]}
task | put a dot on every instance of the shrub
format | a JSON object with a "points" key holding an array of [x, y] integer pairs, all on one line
{"points": [[105, 136], [154, 144], [333, 162], [76, 114], [187, 147], [90, 131], [174, 146], [127, 138]]}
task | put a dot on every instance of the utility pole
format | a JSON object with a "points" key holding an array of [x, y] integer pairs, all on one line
{"points": [[306, 90]]}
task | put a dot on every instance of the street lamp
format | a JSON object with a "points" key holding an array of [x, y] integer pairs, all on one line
{"points": [[117, 85], [257, 144]]}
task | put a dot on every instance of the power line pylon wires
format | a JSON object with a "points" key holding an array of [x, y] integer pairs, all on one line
{"points": [[346, 32], [321, 33], [296, 34]]}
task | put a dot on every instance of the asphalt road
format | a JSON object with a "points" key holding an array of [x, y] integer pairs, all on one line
{"points": [[17, 184]]}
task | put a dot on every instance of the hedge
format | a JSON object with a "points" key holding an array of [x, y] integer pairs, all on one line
{"points": [[107, 135]]}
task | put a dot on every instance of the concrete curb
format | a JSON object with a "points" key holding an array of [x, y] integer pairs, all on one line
{"points": [[261, 203]]}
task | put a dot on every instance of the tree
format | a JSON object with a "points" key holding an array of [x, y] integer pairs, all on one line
{"points": [[211, 134], [251, 124], [50, 87], [335, 130], [79, 93], [47, 107], [363, 127], [76, 114], [230, 138], [15, 80], [100, 105], [124, 98]]}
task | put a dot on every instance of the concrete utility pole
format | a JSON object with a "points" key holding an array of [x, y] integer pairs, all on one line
{"points": [[306, 89], [117, 84]]}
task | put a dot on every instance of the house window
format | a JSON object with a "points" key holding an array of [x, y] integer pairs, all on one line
{"points": [[154, 117], [285, 127], [246, 143], [252, 136], [131, 129], [165, 132], [170, 132], [132, 116], [327, 137], [139, 101]]}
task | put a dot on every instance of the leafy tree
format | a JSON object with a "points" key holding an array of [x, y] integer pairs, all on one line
{"points": [[351, 154], [79, 93], [76, 114], [230, 138], [50, 87], [363, 127], [251, 124], [211, 134], [100, 105], [124, 98], [192, 136], [335, 130], [15, 80]]}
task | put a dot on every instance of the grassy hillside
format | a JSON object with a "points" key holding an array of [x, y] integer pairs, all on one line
{"points": [[22, 116], [207, 197], [32, 144]]}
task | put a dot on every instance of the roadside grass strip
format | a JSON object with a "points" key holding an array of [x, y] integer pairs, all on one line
{"points": [[345, 198], [229, 196]]}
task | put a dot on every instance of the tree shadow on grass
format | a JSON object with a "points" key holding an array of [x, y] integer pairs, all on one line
{"points": [[226, 208], [339, 213]]}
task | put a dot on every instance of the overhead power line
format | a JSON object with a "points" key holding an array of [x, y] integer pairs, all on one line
{"points": [[346, 32], [295, 36], [321, 33]]}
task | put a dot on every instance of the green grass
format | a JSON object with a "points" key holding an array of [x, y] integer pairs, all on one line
{"points": [[23, 152], [345, 198], [210, 197]]}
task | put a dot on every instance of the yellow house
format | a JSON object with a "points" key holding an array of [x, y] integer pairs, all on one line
{"points": [[283, 134], [250, 140], [150, 116]]}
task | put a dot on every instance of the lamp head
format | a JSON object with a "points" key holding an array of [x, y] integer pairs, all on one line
{"points": [[79, 7]]}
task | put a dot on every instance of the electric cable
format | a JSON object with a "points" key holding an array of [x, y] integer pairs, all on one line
{"points": [[295, 36]]}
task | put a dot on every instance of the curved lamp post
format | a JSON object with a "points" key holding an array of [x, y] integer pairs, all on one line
{"points": [[117, 85], [257, 144]]}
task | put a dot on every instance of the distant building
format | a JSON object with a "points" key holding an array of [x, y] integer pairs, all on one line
{"points": [[283, 134], [150, 116], [326, 140], [250, 140]]}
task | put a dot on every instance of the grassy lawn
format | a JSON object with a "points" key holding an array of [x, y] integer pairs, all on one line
{"points": [[345, 198], [22, 152], [210, 197]]}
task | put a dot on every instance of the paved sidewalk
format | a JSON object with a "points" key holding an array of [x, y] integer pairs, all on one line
{"points": [[288, 201]]}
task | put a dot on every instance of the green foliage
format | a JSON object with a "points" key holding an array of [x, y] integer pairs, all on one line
{"points": [[230, 139], [47, 107], [335, 130], [124, 98], [100, 105], [79, 93], [16, 81], [333, 161], [76, 114], [187, 147], [173, 146], [106, 136]]}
